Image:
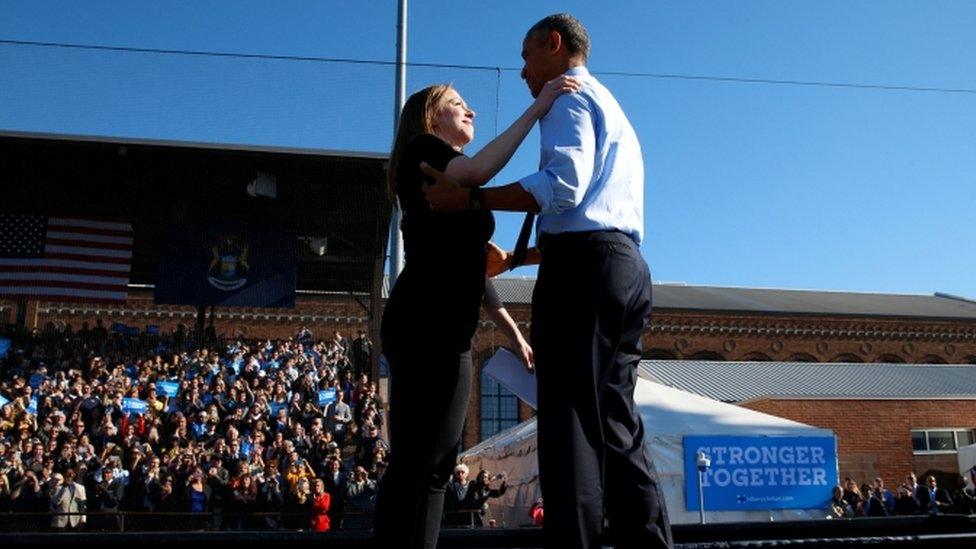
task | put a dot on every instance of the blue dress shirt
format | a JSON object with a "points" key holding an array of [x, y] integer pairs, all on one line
{"points": [[591, 174]]}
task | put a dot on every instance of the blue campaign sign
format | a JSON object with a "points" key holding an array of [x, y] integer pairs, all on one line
{"points": [[4, 347], [134, 406], [326, 396], [167, 388], [761, 472], [4, 401], [32, 406]]}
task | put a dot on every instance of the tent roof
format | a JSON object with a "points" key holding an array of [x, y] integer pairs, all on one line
{"points": [[741, 381]]}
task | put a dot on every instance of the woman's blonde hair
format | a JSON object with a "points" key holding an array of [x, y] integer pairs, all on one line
{"points": [[416, 118]]}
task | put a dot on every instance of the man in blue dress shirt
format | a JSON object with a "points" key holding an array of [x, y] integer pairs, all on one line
{"points": [[591, 303]]}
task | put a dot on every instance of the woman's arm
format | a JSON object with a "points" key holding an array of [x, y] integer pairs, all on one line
{"points": [[500, 260], [496, 310], [477, 170]]}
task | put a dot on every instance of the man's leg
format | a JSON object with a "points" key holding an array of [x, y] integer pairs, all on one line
{"points": [[570, 438]]}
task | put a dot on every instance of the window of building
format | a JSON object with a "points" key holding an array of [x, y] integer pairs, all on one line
{"points": [[945, 440], [499, 407]]}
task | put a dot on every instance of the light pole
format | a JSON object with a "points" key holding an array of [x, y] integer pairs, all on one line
{"points": [[703, 462]]}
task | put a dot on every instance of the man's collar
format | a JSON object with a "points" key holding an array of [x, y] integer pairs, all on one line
{"points": [[579, 70]]}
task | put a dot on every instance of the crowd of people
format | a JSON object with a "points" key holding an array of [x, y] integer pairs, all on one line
{"points": [[241, 434], [874, 500]]}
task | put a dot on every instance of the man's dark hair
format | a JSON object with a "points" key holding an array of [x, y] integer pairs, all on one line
{"points": [[574, 34]]}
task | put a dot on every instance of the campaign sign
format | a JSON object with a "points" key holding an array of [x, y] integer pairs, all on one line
{"points": [[134, 406], [326, 396], [761, 472], [4, 401], [32, 406], [167, 388]]}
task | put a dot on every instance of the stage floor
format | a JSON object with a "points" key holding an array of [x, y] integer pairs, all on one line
{"points": [[922, 531]]}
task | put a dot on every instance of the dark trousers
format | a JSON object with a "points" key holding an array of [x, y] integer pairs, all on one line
{"points": [[429, 392], [591, 303]]}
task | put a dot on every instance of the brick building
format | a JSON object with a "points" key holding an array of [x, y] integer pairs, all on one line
{"points": [[690, 323]]}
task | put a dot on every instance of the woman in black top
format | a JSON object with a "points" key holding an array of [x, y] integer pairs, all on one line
{"points": [[433, 309]]}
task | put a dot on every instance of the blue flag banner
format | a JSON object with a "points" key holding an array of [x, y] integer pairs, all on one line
{"points": [[761, 472], [4, 347], [167, 388], [326, 396], [223, 263], [4, 401], [32, 406], [36, 380], [134, 406]]}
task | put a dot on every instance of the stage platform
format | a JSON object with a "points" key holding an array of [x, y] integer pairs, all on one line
{"points": [[922, 531]]}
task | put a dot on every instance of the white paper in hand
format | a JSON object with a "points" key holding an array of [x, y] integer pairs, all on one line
{"points": [[507, 369]]}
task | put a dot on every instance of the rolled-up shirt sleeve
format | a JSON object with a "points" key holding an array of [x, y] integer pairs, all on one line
{"points": [[568, 152]]}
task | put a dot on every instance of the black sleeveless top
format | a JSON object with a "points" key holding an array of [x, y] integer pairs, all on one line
{"points": [[437, 297]]}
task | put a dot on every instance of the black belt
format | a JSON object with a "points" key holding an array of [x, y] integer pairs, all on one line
{"points": [[562, 240]]}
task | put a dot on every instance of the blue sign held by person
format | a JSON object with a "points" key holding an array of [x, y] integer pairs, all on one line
{"points": [[749, 473], [4, 401], [32, 406], [327, 396], [167, 388], [134, 406]]}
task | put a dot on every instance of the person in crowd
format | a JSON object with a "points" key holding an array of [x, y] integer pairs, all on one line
{"points": [[963, 498], [442, 284], [536, 512], [68, 502], [321, 501], [906, 504], [481, 491], [932, 499], [838, 506], [912, 482], [359, 500], [458, 509], [107, 498], [853, 496]]}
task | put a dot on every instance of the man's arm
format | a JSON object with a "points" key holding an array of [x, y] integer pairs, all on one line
{"points": [[447, 195]]}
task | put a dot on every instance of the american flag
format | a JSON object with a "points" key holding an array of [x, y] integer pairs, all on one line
{"points": [[64, 259]]}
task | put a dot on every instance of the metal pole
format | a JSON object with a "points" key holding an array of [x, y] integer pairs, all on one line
{"points": [[396, 237], [701, 497]]}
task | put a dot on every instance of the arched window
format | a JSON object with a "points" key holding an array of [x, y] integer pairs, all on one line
{"points": [[499, 407], [659, 354], [933, 359], [756, 357], [847, 357], [802, 357], [891, 359]]}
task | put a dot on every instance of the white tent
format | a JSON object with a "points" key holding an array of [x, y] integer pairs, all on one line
{"points": [[669, 414], [967, 460]]}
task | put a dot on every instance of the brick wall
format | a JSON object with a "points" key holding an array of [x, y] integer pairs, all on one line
{"points": [[874, 436]]}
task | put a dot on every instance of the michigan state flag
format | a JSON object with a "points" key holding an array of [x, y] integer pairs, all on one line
{"points": [[247, 264]]}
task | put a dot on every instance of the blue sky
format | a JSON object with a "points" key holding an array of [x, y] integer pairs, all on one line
{"points": [[757, 185]]}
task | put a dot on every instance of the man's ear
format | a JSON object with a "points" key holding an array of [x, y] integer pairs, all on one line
{"points": [[555, 41]]}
